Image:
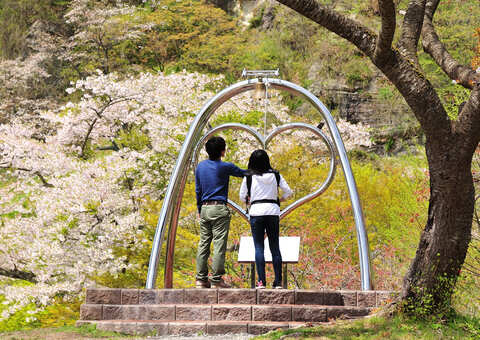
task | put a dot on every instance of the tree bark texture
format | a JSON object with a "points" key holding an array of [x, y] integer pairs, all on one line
{"points": [[443, 244], [429, 283]]}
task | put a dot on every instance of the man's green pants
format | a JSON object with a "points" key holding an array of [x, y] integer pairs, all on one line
{"points": [[214, 226]]}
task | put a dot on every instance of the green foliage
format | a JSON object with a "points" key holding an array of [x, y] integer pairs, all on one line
{"points": [[186, 34], [385, 93], [256, 20], [133, 138], [21, 319], [397, 328], [287, 47], [90, 331], [358, 72], [61, 312], [16, 17], [10, 209], [327, 226], [466, 298], [454, 97], [433, 304], [251, 118], [456, 34]]}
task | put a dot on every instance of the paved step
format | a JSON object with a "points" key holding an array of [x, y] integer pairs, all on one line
{"points": [[237, 296], [216, 312], [156, 328], [221, 311]]}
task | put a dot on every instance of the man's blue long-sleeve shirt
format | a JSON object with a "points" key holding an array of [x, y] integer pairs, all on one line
{"points": [[211, 180]]}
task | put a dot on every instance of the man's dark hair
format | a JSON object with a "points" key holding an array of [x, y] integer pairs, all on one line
{"points": [[259, 162], [214, 147]]}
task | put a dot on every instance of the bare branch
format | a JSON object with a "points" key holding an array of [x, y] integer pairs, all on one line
{"points": [[348, 29], [462, 74], [99, 114], [411, 29], [110, 102], [18, 274], [37, 173], [404, 74], [85, 140], [384, 43], [113, 147], [430, 8], [44, 181]]}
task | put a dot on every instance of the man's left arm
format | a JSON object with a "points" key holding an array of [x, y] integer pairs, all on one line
{"points": [[236, 171]]}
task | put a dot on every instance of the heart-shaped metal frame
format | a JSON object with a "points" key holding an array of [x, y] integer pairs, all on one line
{"points": [[169, 213], [264, 141]]}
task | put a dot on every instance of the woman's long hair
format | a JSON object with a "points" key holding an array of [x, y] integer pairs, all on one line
{"points": [[259, 162]]}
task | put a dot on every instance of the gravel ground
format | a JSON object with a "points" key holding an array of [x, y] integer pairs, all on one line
{"points": [[53, 334]]}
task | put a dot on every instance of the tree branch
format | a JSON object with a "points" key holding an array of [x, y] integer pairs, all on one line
{"points": [[85, 140], [411, 29], [348, 29], [462, 74], [37, 173], [113, 147], [404, 74], [44, 182], [468, 122], [99, 114], [18, 274], [383, 48]]}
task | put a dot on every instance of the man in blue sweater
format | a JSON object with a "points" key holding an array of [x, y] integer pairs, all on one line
{"points": [[211, 187]]}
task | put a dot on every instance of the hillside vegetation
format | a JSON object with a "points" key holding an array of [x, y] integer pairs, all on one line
{"points": [[97, 96]]}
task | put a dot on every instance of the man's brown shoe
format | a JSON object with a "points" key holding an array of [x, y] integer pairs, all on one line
{"points": [[220, 284], [202, 284]]}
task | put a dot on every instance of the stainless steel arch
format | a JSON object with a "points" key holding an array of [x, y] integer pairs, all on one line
{"points": [[171, 204]]}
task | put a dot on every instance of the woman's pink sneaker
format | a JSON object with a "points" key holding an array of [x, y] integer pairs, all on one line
{"points": [[260, 285]]}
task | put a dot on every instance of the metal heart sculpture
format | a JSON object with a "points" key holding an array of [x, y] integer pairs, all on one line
{"points": [[169, 213], [264, 141]]}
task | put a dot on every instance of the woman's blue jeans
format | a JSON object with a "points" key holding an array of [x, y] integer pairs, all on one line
{"points": [[270, 225]]}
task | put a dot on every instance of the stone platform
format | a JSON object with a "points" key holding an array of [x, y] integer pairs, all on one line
{"points": [[221, 311]]}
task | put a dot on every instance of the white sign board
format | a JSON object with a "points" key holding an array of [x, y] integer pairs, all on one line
{"points": [[289, 248]]}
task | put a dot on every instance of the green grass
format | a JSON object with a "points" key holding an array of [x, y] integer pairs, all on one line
{"points": [[384, 328], [91, 331], [66, 332]]}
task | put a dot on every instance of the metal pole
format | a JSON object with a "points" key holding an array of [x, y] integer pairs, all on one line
{"points": [[252, 275], [285, 276]]}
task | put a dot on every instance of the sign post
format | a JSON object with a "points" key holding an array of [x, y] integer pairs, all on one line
{"points": [[289, 248]]}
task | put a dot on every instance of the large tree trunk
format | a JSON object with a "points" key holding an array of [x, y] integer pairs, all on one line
{"points": [[450, 145], [443, 245]]}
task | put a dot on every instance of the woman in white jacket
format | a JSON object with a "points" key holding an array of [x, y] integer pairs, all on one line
{"points": [[259, 189]]}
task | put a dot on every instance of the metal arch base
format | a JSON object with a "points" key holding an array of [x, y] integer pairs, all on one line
{"points": [[173, 197]]}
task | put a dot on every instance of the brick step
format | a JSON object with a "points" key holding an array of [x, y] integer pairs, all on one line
{"points": [[217, 312], [238, 296], [185, 328]]}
